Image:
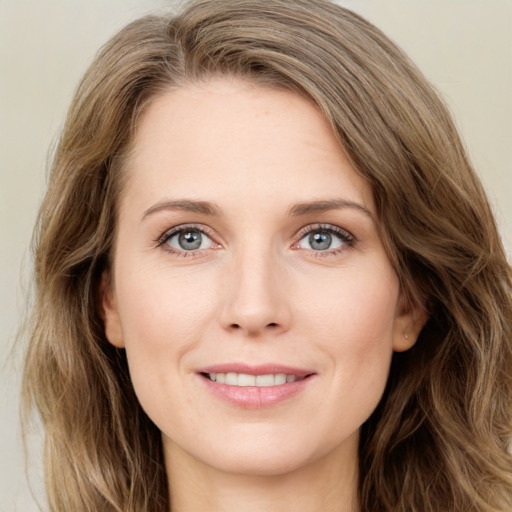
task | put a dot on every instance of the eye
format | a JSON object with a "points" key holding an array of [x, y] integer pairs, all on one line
{"points": [[186, 239], [325, 239]]}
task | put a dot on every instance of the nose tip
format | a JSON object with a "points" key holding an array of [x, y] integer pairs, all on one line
{"points": [[255, 301]]}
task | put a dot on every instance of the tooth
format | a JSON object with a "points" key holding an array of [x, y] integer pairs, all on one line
{"points": [[231, 379], [264, 380], [280, 378], [246, 380]]}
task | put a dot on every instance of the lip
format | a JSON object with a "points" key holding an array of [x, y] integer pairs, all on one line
{"points": [[261, 369], [254, 397]]}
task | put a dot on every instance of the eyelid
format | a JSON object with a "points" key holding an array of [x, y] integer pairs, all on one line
{"points": [[347, 237], [327, 227], [167, 235]]}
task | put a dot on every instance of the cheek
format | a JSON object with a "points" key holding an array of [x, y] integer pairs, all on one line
{"points": [[163, 318], [357, 307], [158, 305], [353, 324]]}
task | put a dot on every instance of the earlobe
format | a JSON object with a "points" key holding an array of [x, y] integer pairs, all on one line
{"points": [[109, 312], [408, 326]]}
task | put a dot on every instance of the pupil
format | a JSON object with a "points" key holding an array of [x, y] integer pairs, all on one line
{"points": [[190, 240], [320, 240]]}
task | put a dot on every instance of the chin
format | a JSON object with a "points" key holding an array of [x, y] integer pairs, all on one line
{"points": [[271, 455], [264, 464]]}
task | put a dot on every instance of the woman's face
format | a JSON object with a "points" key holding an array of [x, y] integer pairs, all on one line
{"points": [[251, 291]]}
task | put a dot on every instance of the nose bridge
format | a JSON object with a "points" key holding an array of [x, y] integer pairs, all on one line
{"points": [[255, 298]]}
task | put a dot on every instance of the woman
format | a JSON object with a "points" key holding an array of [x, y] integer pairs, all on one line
{"points": [[268, 278]]}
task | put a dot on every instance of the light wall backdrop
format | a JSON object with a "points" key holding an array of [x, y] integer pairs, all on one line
{"points": [[463, 46]]}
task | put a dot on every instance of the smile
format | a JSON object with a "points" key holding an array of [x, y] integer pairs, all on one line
{"points": [[255, 387], [245, 380]]}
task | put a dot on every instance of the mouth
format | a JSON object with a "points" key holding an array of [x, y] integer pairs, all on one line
{"points": [[255, 387], [246, 380]]}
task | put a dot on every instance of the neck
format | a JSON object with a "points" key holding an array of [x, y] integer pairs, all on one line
{"points": [[328, 484]]}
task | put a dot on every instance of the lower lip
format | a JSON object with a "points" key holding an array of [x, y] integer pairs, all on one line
{"points": [[255, 397]]}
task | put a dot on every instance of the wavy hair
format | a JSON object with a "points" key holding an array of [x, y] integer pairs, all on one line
{"points": [[438, 439]]}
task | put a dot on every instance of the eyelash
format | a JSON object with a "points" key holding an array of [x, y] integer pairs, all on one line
{"points": [[347, 238], [162, 241]]}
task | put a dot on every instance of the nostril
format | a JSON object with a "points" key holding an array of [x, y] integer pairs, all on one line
{"points": [[251, 328]]}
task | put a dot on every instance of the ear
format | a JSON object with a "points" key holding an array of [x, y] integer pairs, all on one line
{"points": [[109, 313], [409, 321]]}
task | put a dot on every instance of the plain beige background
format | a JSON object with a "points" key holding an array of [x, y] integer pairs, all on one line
{"points": [[463, 46]]}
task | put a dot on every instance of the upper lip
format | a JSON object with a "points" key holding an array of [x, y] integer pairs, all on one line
{"points": [[262, 369]]}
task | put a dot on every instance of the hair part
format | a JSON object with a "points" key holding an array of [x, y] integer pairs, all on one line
{"points": [[438, 439]]}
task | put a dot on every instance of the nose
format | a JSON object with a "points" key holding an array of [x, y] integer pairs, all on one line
{"points": [[256, 302]]}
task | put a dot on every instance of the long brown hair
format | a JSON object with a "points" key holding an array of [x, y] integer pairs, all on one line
{"points": [[438, 439]]}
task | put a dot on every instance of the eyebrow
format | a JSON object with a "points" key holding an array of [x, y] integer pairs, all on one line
{"points": [[186, 205], [327, 205], [297, 210]]}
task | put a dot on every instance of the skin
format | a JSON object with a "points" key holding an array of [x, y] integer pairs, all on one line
{"points": [[256, 292]]}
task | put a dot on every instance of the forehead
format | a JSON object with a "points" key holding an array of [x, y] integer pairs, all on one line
{"points": [[237, 137]]}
